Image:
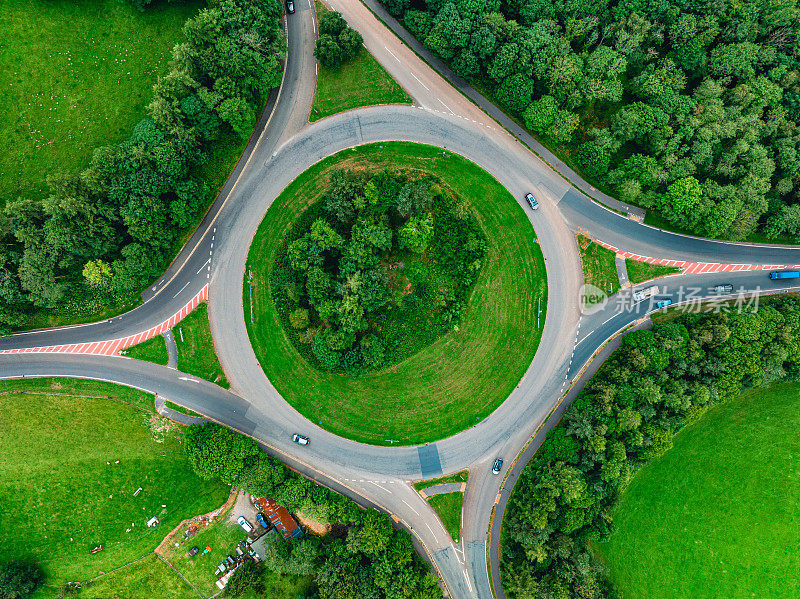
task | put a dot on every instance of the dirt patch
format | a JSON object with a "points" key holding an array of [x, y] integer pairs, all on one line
{"points": [[159, 426], [318, 528]]}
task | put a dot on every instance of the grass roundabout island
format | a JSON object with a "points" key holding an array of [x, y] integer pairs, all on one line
{"points": [[394, 290]]}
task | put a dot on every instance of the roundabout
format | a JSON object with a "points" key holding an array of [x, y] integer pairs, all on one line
{"points": [[447, 385], [216, 258]]}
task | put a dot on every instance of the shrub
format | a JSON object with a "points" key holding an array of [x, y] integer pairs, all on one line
{"points": [[299, 318]]}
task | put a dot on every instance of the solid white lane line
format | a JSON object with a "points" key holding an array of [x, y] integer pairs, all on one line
{"points": [[445, 105], [380, 487], [412, 509], [468, 582], [182, 288], [615, 315], [433, 533], [392, 53], [420, 82]]}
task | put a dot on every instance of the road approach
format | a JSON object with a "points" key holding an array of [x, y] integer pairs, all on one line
{"points": [[216, 256]]}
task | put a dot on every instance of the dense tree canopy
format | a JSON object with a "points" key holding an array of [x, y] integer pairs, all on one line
{"points": [[658, 381], [103, 234], [708, 92], [379, 268], [337, 43], [363, 557]]}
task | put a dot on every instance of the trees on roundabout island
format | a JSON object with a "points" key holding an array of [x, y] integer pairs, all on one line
{"points": [[399, 281]]}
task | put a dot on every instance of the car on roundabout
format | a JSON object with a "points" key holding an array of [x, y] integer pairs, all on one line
{"points": [[531, 201], [497, 466], [290, 6], [722, 288], [300, 439], [663, 303]]}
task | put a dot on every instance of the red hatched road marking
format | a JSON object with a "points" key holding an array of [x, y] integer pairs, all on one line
{"points": [[694, 267], [113, 346]]}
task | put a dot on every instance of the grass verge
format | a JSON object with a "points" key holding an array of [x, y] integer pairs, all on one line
{"points": [[456, 477], [448, 507], [717, 515], [69, 486], [153, 350], [454, 382], [182, 410], [360, 82], [196, 354], [599, 266], [77, 76], [639, 272]]}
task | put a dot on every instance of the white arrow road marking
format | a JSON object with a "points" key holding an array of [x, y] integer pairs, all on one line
{"points": [[204, 265]]}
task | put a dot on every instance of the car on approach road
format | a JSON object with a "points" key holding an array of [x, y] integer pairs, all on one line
{"points": [[784, 274], [498, 466], [643, 294], [531, 201], [723, 288], [248, 528], [262, 521], [663, 303], [300, 439], [290, 6]]}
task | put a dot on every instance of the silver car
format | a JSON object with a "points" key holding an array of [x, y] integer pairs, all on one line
{"points": [[531, 201]]}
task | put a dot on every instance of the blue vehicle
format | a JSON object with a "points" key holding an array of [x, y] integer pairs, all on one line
{"points": [[262, 521], [784, 274], [663, 303]]}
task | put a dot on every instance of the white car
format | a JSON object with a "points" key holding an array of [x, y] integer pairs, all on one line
{"points": [[248, 528], [300, 439]]}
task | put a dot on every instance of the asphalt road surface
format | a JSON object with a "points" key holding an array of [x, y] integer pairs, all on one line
{"points": [[380, 477]]}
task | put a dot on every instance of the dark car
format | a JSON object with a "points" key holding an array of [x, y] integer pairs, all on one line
{"points": [[532, 201], [724, 288], [193, 551], [262, 521], [290, 7], [498, 466]]}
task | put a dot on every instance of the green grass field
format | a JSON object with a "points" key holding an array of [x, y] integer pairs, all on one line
{"points": [[599, 265], [718, 515], [360, 82], [456, 477], [71, 461], [76, 76], [639, 272], [448, 507], [196, 353], [454, 382], [153, 350], [145, 579]]}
